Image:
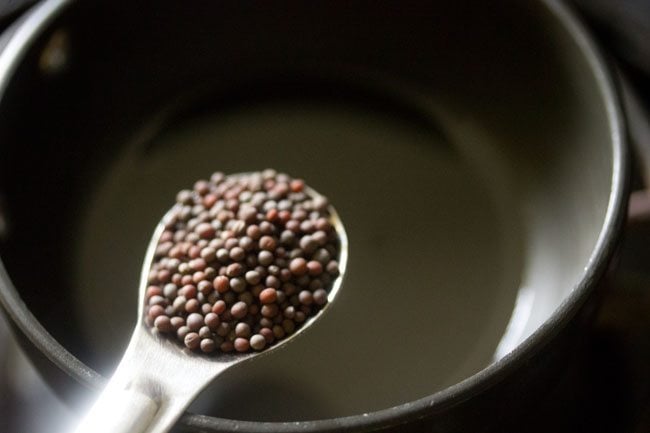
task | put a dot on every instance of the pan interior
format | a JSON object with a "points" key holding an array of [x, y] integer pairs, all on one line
{"points": [[471, 164], [435, 252]]}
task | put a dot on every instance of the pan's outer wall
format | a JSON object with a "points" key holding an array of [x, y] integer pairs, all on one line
{"points": [[483, 402]]}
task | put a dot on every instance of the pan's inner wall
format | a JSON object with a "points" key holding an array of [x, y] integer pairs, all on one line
{"points": [[464, 146]]}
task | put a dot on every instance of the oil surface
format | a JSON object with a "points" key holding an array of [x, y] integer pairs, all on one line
{"points": [[433, 270]]}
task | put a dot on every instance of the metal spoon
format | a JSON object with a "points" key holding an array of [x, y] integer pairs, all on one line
{"points": [[157, 379]]}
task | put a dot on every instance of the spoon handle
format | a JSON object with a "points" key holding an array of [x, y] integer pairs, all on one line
{"points": [[119, 411], [153, 385]]}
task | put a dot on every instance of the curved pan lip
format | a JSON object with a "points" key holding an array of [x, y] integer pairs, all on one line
{"points": [[18, 39]]}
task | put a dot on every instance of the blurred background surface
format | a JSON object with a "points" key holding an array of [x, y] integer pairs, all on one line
{"points": [[607, 386]]}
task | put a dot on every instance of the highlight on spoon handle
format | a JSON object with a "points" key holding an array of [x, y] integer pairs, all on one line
{"points": [[119, 411], [154, 383]]}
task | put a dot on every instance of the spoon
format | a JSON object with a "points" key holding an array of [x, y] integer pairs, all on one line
{"points": [[157, 378]]}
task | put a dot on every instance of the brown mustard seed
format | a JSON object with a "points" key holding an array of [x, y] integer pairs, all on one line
{"points": [[268, 296], [208, 345], [194, 321], [241, 344], [221, 284], [257, 342], [239, 310], [192, 340], [163, 324], [298, 266]]}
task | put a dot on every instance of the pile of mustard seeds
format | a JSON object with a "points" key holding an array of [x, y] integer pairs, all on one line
{"points": [[243, 261]]}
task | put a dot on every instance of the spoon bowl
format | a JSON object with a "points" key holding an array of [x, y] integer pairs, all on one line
{"points": [[157, 378]]}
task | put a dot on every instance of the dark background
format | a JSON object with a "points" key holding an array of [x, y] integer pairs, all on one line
{"points": [[607, 386]]}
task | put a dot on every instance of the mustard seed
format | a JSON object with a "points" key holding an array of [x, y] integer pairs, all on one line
{"points": [[177, 322], [221, 284], [208, 254], [254, 232], [267, 334], [272, 281], [253, 277], [320, 237], [297, 185], [202, 187], [268, 296], [192, 306], [285, 275], [234, 270], [157, 300], [209, 273], [229, 244], [155, 311], [205, 230], [197, 264], [194, 321], [193, 251], [172, 264], [243, 330], [192, 340], [257, 342], [205, 287], [315, 284], [179, 303], [288, 326], [185, 197], [241, 344], [153, 291], [164, 276], [320, 297], [267, 243], [189, 291], [333, 267], [246, 243], [265, 258], [223, 255], [208, 345], [321, 255], [163, 324], [298, 266], [205, 332], [223, 329], [273, 269], [278, 332], [238, 285], [170, 290], [266, 228], [217, 177], [239, 310], [293, 225], [182, 332], [209, 200], [226, 346], [219, 307], [212, 320], [269, 310], [305, 297]]}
